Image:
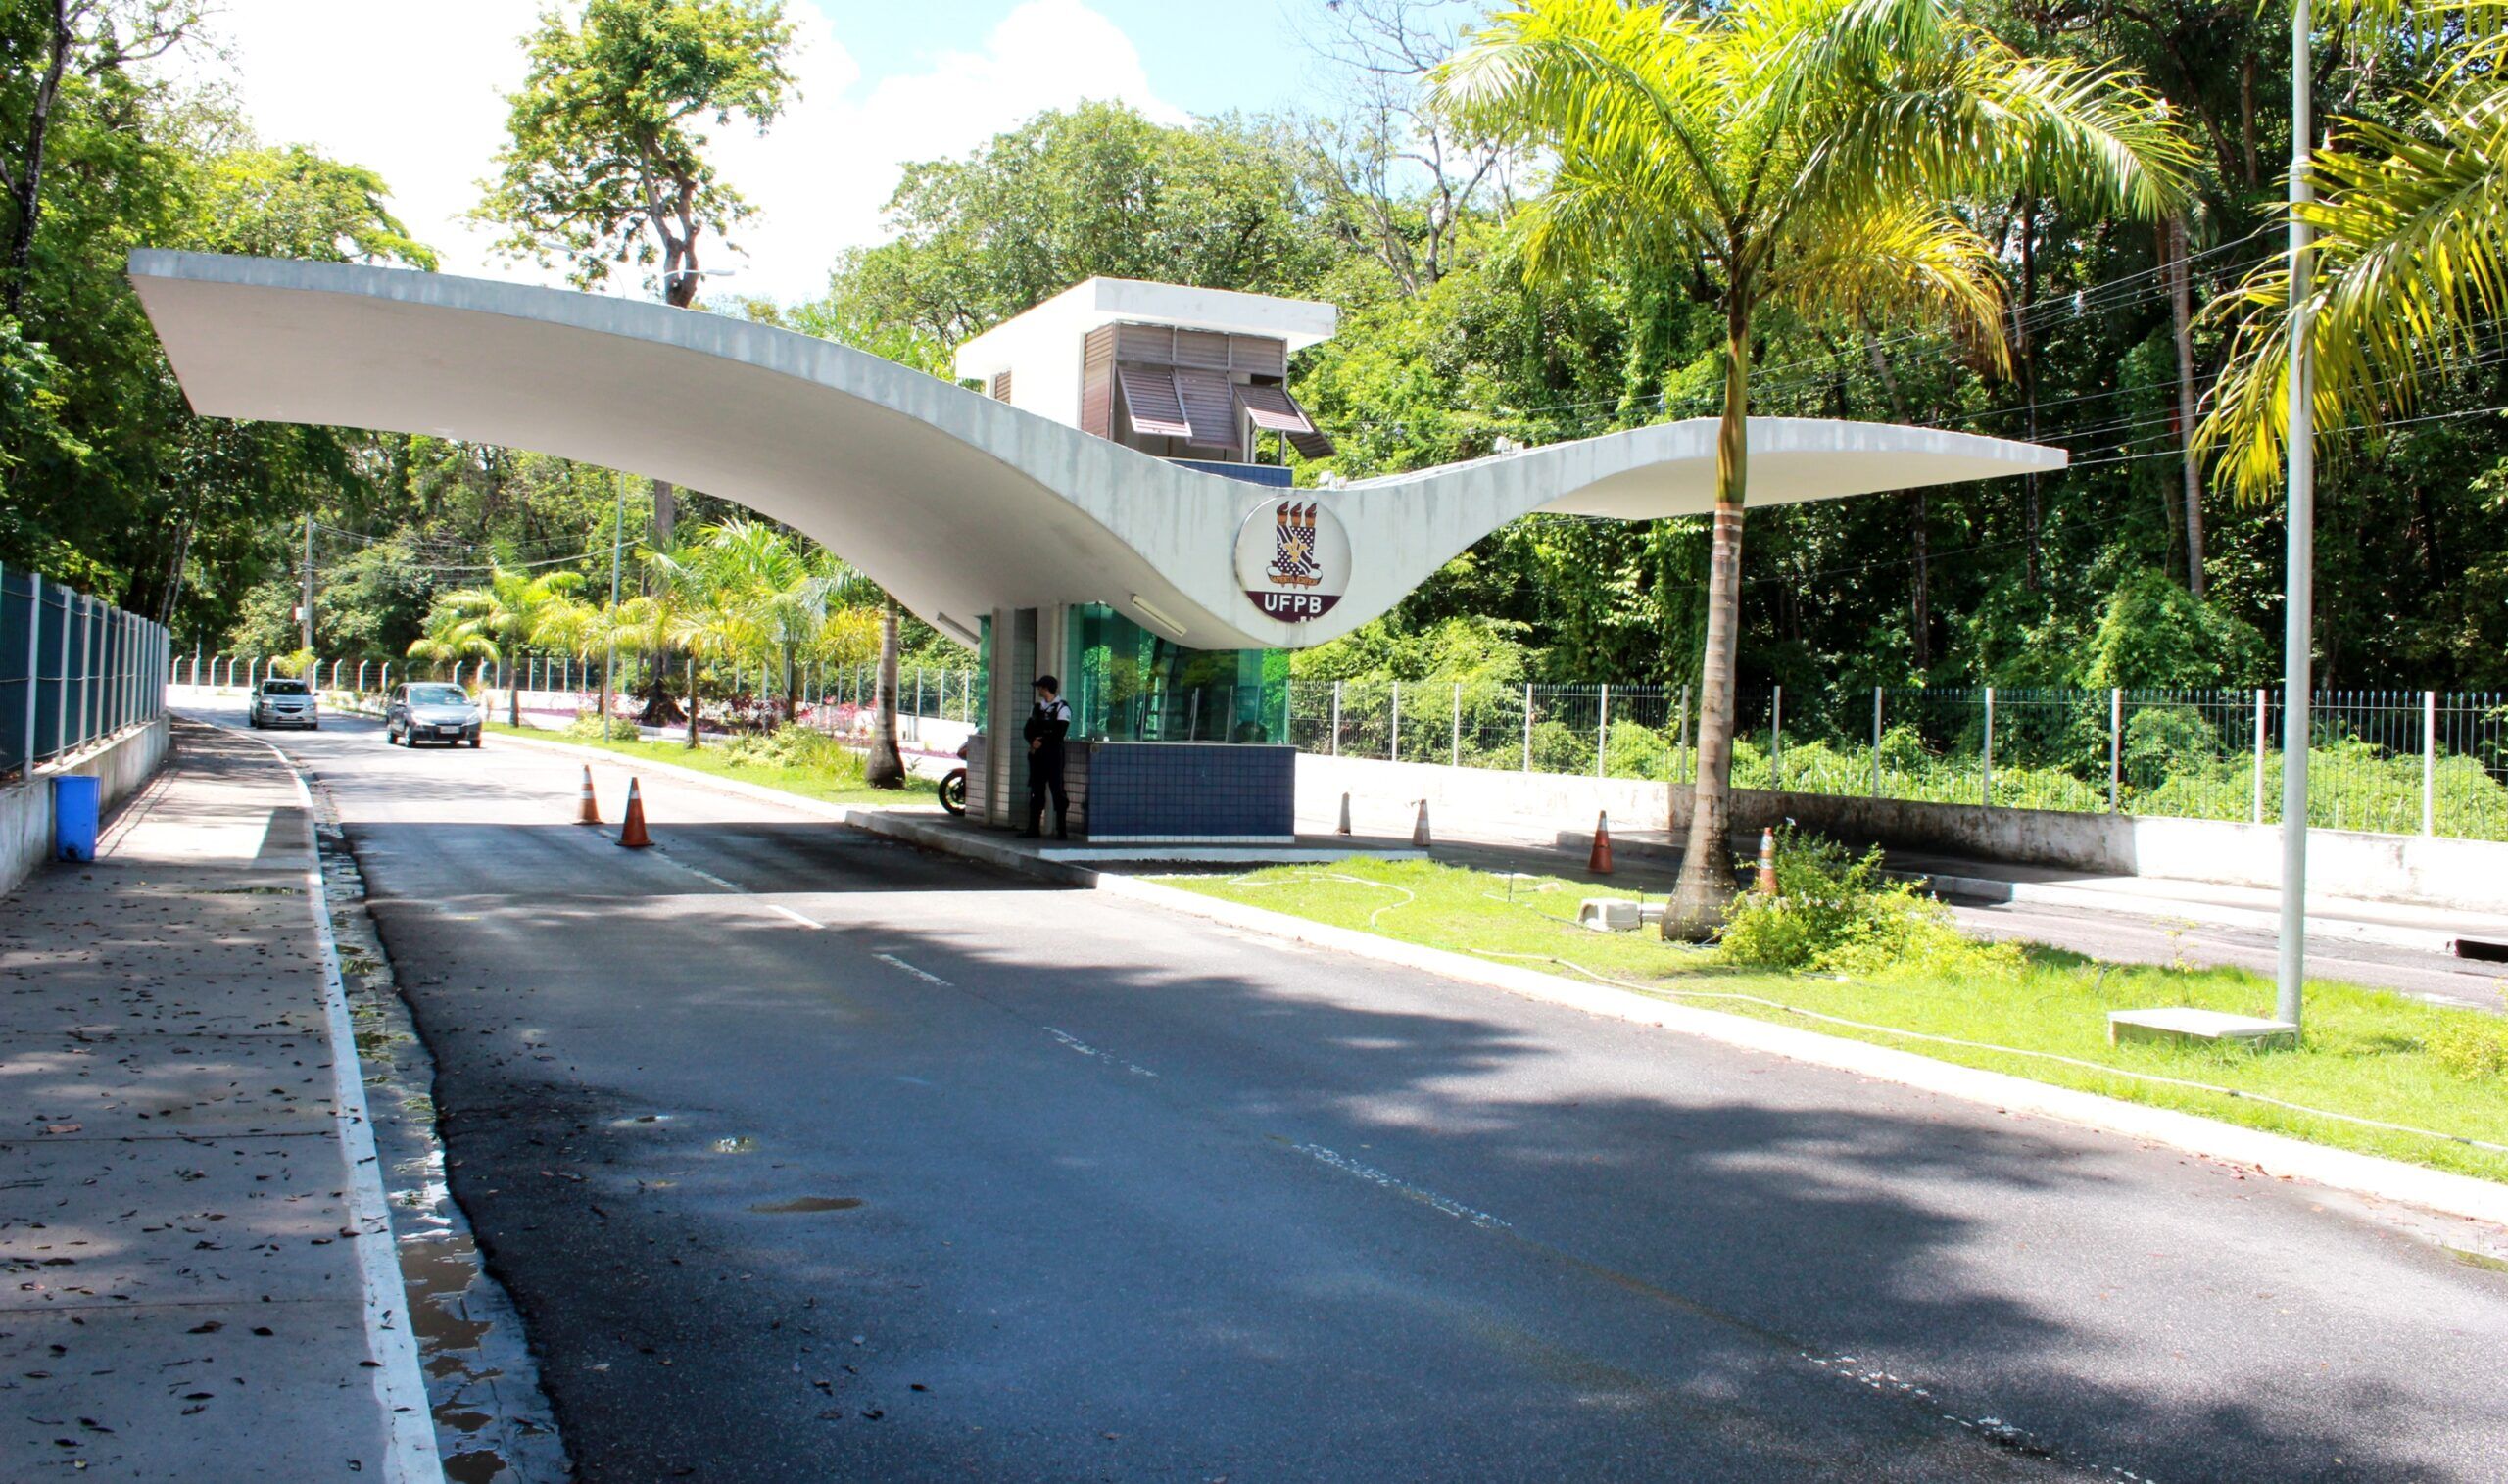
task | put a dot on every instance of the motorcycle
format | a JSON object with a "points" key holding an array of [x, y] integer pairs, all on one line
{"points": [[953, 785]]}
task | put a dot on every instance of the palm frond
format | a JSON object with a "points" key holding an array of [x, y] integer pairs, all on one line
{"points": [[1896, 259], [2410, 266]]}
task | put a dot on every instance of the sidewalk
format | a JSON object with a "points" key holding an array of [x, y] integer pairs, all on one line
{"points": [[204, 1284]]}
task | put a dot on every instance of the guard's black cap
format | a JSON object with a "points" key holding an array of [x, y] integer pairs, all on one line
{"points": [[1049, 683]]}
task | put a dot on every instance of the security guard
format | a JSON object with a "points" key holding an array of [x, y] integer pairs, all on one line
{"points": [[1046, 726]]}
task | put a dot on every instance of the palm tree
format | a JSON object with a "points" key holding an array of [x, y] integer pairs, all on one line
{"points": [[886, 766], [450, 639], [497, 621], [675, 602], [2410, 264], [1804, 154]]}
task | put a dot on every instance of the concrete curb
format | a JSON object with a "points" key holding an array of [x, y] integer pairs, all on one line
{"points": [[2272, 1154], [412, 1453]]}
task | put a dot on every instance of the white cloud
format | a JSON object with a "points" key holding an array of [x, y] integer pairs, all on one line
{"points": [[821, 176], [417, 97]]}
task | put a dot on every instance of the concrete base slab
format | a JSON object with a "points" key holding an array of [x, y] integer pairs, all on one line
{"points": [[1606, 914], [2179, 1025]]}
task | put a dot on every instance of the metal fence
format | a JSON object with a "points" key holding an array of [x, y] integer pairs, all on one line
{"points": [[2390, 761], [72, 670]]}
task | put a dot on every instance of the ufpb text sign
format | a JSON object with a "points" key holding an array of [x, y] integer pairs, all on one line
{"points": [[1292, 558]]}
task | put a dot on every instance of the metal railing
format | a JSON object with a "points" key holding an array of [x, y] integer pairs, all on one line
{"points": [[2386, 761], [74, 670]]}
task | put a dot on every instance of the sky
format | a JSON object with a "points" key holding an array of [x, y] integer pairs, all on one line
{"points": [[415, 93]]}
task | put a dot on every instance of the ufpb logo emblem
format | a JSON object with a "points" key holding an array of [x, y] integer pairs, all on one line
{"points": [[1293, 559]]}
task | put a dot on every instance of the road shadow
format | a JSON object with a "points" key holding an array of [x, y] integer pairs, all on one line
{"points": [[1143, 1201]]}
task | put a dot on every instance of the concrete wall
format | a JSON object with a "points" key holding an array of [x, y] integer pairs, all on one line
{"points": [[2466, 875], [124, 762]]}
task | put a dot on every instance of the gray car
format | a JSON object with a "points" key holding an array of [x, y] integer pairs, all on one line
{"points": [[282, 702], [431, 711]]}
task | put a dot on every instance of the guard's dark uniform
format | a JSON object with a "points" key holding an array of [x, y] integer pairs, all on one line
{"points": [[1047, 724]]}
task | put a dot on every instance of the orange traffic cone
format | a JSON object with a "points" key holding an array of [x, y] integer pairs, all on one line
{"points": [[633, 837], [1599, 862], [589, 811], [1766, 885], [1345, 816], [1420, 828]]}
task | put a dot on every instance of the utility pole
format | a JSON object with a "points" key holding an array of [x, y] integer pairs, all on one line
{"points": [[2299, 572], [305, 625], [609, 667]]}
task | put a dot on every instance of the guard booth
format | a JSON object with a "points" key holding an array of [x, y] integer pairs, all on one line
{"points": [[1169, 744]]}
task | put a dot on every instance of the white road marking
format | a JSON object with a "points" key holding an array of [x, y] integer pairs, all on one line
{"points": [[1401, 1187], [1074, 1043], [895, 962], [795, 916]]}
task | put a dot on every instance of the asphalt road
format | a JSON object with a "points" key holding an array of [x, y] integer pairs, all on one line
{"points": [[810, 1157]]}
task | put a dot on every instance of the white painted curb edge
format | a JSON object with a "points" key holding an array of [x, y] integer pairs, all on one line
{"points": [[2273, 1154], [410, 1452]]}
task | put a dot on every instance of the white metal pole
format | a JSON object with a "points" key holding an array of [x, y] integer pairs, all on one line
{"points": [[34, 666], [2298, 569], [87, 667], [2428, 762], [2115, 748], [2257, 808], [1876, 741], [1989, 748], [1601, 729], [1528, 726], [1456, 758], [1393, 745], [1776, 739]]}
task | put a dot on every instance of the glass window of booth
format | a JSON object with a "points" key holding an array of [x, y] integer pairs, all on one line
{"points": [[1127, 684]]}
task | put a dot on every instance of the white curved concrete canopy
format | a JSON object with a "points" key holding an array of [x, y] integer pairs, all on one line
{"points": [[953, 501]]}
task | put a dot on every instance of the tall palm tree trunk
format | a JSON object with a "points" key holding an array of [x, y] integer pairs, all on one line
{"points": [[887, 767], [1706, 885]]}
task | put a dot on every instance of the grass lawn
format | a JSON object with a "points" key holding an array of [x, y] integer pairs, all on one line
{"points": [[829, 784], [2367, 1052]]}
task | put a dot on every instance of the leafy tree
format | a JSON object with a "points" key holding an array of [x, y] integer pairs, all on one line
{"points": [[1095, 190], [50, 42], [1797, 152], [608, 163]]}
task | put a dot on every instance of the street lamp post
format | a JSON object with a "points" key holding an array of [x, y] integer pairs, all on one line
{"points": [[2299, 572]]}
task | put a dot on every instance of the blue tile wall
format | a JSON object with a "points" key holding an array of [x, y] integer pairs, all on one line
{"points": [[1189, 790]]}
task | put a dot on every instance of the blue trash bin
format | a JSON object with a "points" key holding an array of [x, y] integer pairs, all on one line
{"points": [[75, 798]]}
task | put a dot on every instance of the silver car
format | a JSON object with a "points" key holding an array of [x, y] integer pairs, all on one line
{"points": [[282, 702], [431, 711]]}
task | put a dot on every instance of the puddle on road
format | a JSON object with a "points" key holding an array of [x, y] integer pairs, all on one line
{"points": [[802, 1205], [492, 1420]]}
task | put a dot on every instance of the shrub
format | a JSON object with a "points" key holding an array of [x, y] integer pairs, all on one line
{"points": [[2167, 741], [586, 727], [2472, 1048], [795, 747], [1833, 911]]}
